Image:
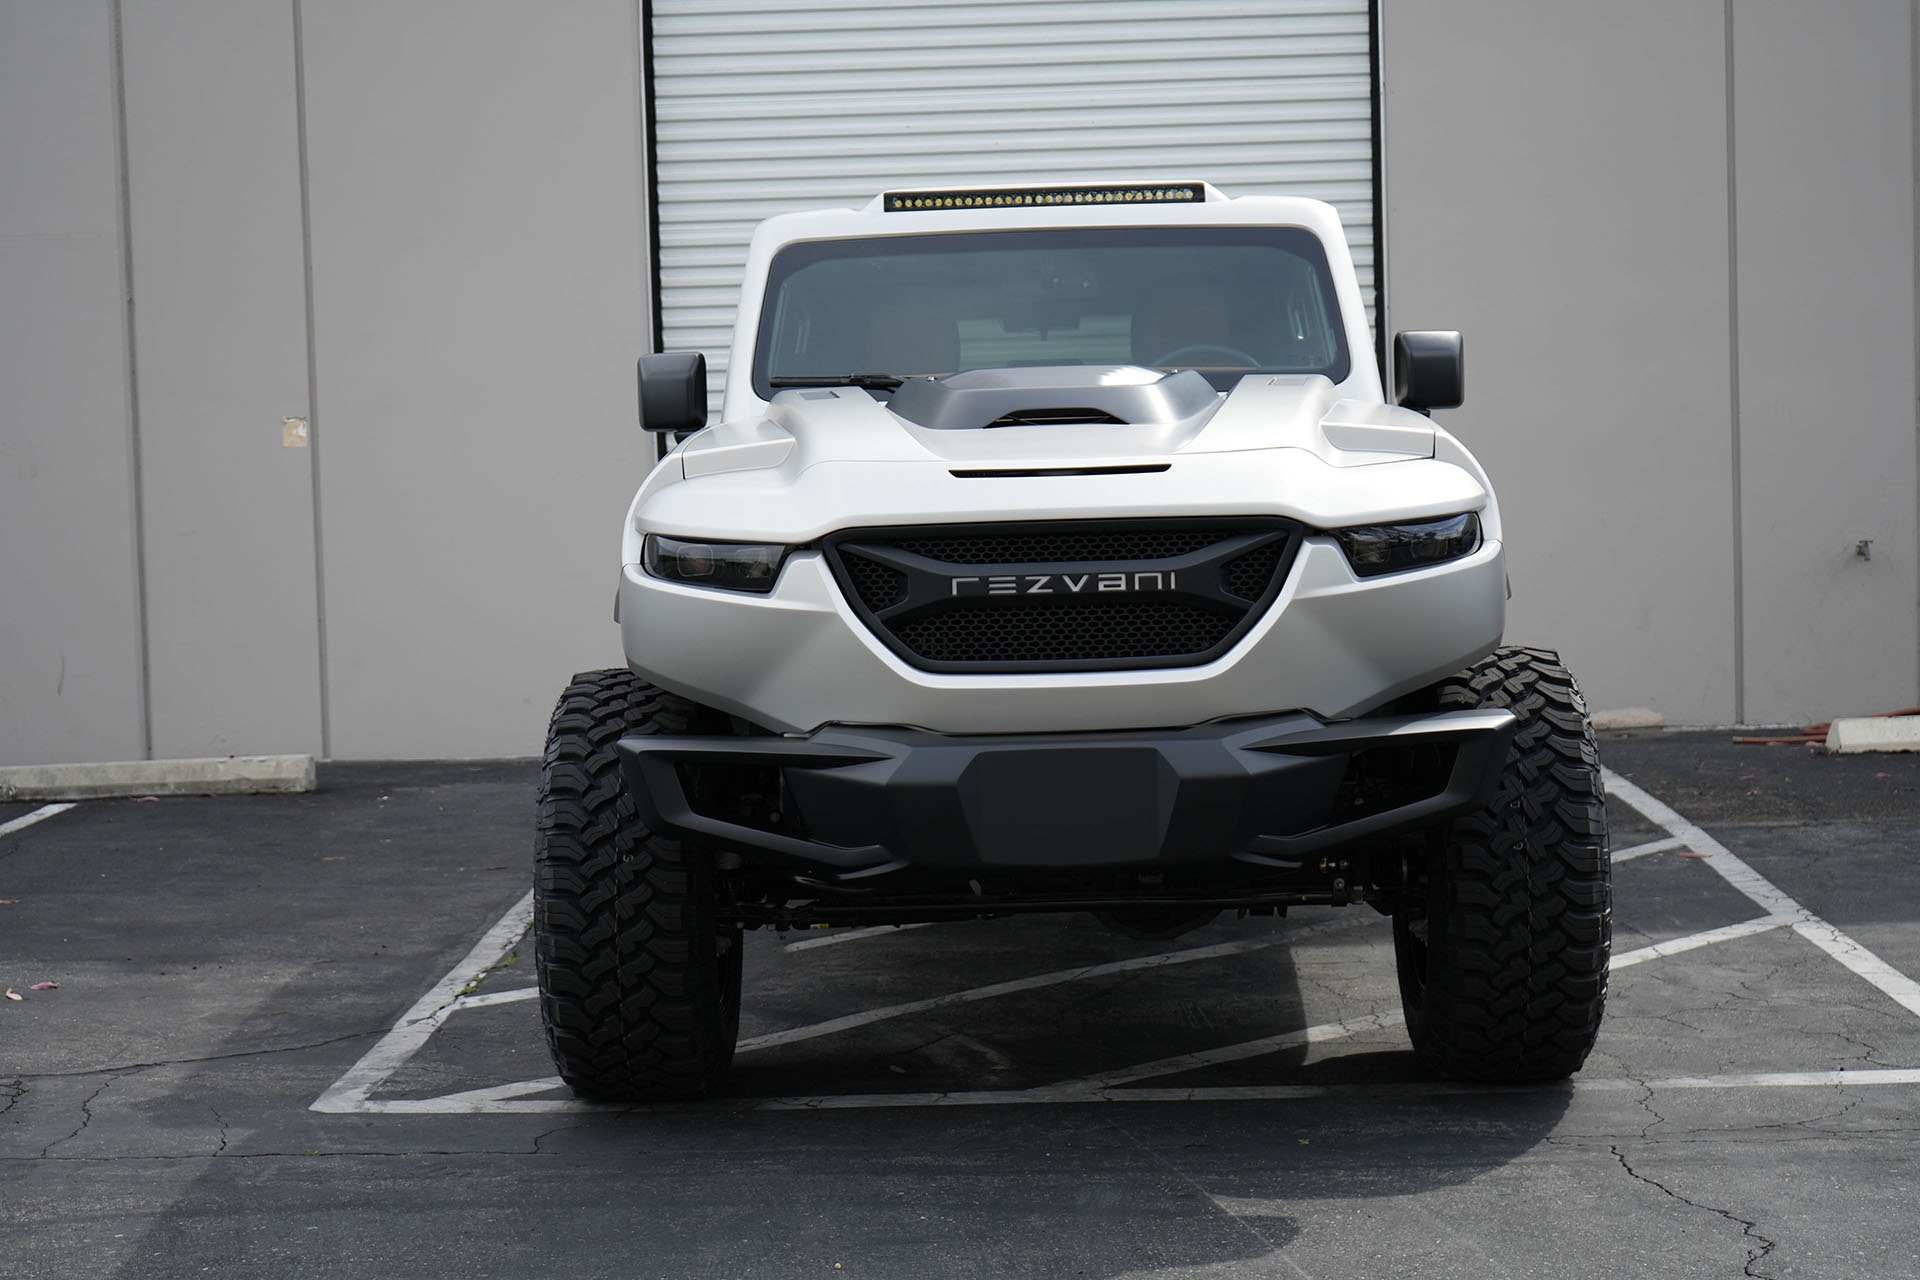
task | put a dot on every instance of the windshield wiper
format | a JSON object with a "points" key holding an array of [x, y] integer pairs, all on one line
{"points": [[865, 381]]}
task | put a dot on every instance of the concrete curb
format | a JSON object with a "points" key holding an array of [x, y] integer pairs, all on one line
{"points": [[1874, 733], [1628, 718], [217, 776]]}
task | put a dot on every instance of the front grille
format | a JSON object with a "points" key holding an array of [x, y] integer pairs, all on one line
{"points": [[1066, 633], [877, 585], [1063, 595], [1041, 547], [1247, 576]]}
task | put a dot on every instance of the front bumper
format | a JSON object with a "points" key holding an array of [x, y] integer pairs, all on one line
{"points": [[1239, 801], [800, 658]]}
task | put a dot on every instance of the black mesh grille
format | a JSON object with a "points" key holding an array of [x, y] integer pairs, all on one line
{"points": [[878, 586], [1090, 630], [1061, 548], [1103, 595], [1250, 575]]}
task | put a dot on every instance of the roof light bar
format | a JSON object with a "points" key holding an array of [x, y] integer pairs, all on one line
{"points": [[1036, 197]]}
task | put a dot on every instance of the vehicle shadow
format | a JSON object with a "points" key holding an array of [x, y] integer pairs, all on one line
{"points": [[1093, 1106]]}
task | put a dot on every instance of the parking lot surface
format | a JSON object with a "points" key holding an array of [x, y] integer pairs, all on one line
{"points": [[292, 1036]]}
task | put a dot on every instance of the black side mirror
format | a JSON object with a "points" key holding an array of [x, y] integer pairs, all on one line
{"points": [[1428, 372], [673, 391]]}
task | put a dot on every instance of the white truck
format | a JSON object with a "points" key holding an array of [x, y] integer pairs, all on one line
{"points": [[1058, 550]]}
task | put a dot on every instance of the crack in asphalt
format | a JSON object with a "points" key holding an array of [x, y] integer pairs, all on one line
{"points": [[11, 1091], [1869, 1053], [1645, 1102], [86, 1118], [264, 1155], [1817, 1123], [122, 1067], [544, 1134], [222, 1122], [1751, 1230]]}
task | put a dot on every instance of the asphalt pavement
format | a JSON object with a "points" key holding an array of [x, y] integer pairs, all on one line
{"points": [[291, 1037]]}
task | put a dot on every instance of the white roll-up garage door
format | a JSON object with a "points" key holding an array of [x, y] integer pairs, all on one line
{"points": [[762, 106]]}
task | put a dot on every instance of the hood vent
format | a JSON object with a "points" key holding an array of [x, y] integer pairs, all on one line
{"points": [[1056, 418], [1054, 395], [1008, 473]]}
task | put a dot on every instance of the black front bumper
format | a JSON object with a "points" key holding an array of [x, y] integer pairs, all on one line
{"points": [[1262, 796]]}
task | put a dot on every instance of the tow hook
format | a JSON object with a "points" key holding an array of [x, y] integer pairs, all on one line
{"points": [[1338, 869]]}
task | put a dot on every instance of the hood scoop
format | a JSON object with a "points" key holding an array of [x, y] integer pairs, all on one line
{"points": [[1053, 395], [1057, 418]]}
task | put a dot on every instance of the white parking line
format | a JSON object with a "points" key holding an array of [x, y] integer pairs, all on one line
{"points": [[853, 935], [1726, 933], [511, 1098], [504, 1099], [1903, 990], [513, 996], [352, 1092], [1642, 850], [1038, 980], [1179, 1062], [26, 820], [1898, 987], [1290, 1092]]}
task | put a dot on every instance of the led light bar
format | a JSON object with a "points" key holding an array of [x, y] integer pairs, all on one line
{"points": [[1036, 197]]}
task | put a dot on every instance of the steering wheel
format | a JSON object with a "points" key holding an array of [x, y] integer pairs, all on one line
{"points": [[1217, 348]]}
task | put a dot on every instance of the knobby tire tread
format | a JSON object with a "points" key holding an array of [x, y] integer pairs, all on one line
{"points": [[1519, 906], [639, 995]]}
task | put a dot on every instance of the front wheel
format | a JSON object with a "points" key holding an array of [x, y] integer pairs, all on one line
{"points": [[639, 989], [1503, 944]]}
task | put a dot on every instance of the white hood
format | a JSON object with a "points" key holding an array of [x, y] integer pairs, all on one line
{"points": [[838, 457]]}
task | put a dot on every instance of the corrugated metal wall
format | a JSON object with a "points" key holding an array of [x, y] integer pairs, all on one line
{"points": [[762, 106]]}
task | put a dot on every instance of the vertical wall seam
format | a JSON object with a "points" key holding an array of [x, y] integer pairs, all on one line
{"points": [[644, 167], [651, 140], [1733, 383], [1377, 92], [1913, 87], [315, 435], [650, 206], [137, 499]]}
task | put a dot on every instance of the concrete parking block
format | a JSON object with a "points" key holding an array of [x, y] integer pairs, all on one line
{"points": [[213, 776], [1874, 733]]}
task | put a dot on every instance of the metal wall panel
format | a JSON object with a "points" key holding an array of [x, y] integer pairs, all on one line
{"points": [[762, 106], [220, 324], [478, 301], [1823, 167], [1685, 269], [70, 654], [1577, 234]]}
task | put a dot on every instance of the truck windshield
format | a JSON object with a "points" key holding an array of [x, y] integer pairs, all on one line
{"points": [[1227, 301]]}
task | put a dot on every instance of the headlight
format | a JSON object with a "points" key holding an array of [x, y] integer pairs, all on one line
{"points": [[729, 566], [1374, 549]]}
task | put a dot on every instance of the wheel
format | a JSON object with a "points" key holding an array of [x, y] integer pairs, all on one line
{"points": [[1219, 349], [639, 990], [1503, 945]]}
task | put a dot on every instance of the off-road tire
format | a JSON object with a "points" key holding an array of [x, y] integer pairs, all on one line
{"points": [[639, 991], [1503, 949]]}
